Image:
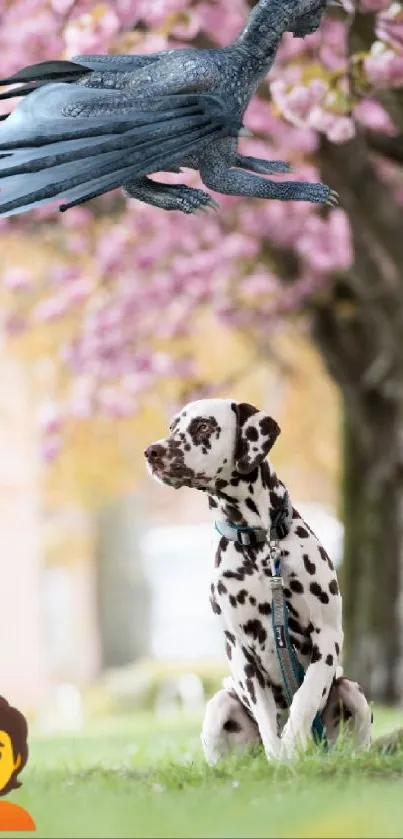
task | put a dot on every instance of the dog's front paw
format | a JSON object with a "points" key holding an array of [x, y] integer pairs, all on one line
{"points": [[293, 743], [272, 749]]}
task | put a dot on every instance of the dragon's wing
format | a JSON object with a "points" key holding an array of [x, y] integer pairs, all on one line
{"points": [[37, 75], [71, 142]]}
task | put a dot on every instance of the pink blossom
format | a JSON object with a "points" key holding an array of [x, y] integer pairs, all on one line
{"points": [[17, 279], [373, 115], [50, 448], [384, 68], [50, 418], [389, 26], [51, 308], [14, 324], [342, 130], [374, 5]]}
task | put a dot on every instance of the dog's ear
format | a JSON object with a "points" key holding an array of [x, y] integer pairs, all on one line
{"points": [[256, 433]]}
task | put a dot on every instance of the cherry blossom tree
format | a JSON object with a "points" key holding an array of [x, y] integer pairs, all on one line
{"points": [[333, 107]]}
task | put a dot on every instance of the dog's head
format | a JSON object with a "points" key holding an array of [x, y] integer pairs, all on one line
{"points": [[210, 440]]}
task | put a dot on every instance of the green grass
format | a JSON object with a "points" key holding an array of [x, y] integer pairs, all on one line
{"points": [[141, 777]]}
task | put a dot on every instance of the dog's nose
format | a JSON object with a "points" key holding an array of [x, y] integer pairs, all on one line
{"points": [[152, 453]]}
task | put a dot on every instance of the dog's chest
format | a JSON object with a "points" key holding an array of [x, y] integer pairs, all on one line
{"points": [[241, 598]]}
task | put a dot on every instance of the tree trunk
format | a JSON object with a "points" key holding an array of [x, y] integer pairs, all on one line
{"points": [[359, 331], [372, 578], [123, 594]]}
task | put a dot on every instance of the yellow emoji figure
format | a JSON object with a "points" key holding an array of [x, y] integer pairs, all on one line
{"points": [[13, 757], [9, 763], [13, 746]]}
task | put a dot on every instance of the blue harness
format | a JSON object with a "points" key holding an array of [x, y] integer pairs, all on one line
{"points": [[292, 671]]}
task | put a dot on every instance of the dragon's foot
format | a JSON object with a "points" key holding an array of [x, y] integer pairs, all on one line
{"points": [[333, 199], [190, 200]]}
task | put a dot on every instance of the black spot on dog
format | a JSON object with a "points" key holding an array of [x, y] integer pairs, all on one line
{"points": [[310, 566], [329, 659], [317, 591], [228, 651], [215, 606], [255, 628], [252, 434], [229, 636], [346, 714], [296, 586], [295, 626], [337, 648], [325, 557], [252, 600], [221, 588], [292, 610], [333, 587], [242, 595], [232, 726], [235, 516], [269, 428], [202, 429], [301, 532], [251, 690], [316, 654], [264, 608], [233, 601], [235, 575], [252, 506], [213, 504], [278, 696]]}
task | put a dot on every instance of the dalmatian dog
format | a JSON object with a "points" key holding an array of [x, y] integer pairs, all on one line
{"points": [[220, 447]]}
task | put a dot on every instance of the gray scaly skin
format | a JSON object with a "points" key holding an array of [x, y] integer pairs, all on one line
{"points": [[234, 74]]}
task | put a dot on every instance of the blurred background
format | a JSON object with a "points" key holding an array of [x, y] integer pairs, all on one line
{"points": [[116, 314], [105, 606]]}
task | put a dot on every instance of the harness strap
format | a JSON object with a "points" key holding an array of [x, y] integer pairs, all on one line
{"points": [[282, 639]]}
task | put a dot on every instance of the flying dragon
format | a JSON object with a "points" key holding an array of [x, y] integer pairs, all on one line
{"points": [[98, 122]]}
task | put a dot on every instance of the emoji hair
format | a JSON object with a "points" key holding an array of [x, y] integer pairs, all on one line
{"points": [[13, 722]]}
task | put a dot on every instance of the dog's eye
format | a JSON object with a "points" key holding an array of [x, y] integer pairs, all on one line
{"points": [[203, 427]]}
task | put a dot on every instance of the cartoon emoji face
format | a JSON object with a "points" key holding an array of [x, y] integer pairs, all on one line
{"points": [[9, 762]]}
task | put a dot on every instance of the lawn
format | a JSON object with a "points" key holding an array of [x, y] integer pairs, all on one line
{"points": [[142, 777]]}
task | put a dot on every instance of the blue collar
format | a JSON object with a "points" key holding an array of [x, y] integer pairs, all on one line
{"points": [[252, 536]]}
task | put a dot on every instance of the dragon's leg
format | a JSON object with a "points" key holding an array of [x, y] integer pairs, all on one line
{"points": [[169, 196], [262, 167], [235, 182]]}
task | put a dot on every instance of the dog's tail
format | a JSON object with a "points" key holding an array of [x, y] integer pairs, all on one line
{"points": [[389, 743]]}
